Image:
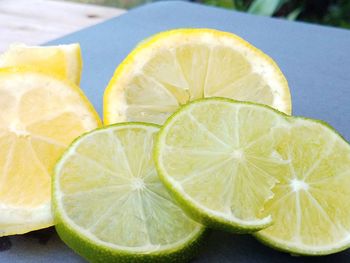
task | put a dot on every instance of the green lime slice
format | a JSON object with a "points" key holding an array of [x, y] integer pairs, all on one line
{"points": [[310, 208], [218, 159], [109, 204], [235, 165]]}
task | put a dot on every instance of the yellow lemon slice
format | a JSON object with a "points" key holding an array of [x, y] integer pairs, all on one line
{"points": [[63, 60], [40, 116], [178, 66]]}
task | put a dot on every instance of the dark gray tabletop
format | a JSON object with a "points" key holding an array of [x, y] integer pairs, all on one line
{"points": [[315, 60]]}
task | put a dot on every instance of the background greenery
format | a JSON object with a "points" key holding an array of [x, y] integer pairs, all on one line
{"points": [[327, 12]]}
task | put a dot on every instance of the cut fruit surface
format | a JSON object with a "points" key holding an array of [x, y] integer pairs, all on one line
{"points": [[40, 116], [178, 66], [218, 158], [235, 165], [310, 208], [64, 61], [109, 204]]}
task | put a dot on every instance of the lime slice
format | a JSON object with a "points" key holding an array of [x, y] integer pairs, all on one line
{"points": [[235, 165], [40, 116], [109, 204], [310, 208], [218, 159], [63, 60], [175, 67]]}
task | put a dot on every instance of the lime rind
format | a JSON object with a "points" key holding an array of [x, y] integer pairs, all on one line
{"points": [[215, 220], [86, 245], [93, 252], [283, 246]]}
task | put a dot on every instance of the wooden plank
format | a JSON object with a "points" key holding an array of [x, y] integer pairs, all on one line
{"points": [[36, 21]]}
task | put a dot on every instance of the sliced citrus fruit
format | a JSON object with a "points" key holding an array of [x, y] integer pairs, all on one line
{"points": [[62, 60], [232, 164], [40, 115], [218, 158], [109, 204], [178, 66], [310, 208]]}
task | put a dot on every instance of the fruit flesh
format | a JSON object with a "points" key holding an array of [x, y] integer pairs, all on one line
{"points": [[63, 60], [179, 66], [110, 192], [304, 164], [40, 116], [310, 207], [208, 152]]}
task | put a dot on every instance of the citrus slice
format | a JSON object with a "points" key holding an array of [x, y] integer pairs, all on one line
{"points": [[228, 163], [218, 158], [40, 115], [62, 60], [310, 208], [109, 204], [178, 66]]}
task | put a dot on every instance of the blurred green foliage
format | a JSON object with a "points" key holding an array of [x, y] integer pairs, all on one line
{"points": [[327, 12]]}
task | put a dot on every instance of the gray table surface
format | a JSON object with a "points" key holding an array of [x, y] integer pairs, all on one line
{"points": [[315, 60]]}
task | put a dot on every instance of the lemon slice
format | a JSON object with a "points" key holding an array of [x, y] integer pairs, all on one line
{"points": [[40, 115], [62, 60], [109, 204], [310, 208], [178, 66], [218, 158]]}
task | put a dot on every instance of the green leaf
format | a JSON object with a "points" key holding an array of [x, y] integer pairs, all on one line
{"points": [[221, 3], [265, 7], [294, 14]]}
